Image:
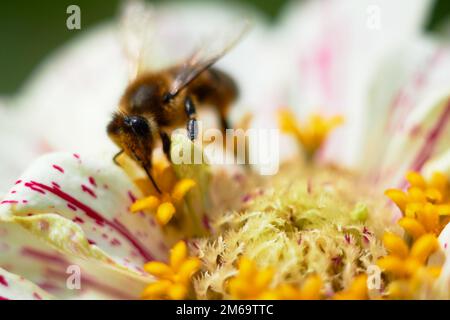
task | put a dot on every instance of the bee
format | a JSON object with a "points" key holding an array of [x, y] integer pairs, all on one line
{"points": [[154, 103]]}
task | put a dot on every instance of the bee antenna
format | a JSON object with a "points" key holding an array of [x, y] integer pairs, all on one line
{"points": [[152, 180]]}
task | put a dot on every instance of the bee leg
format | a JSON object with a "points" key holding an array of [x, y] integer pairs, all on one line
{"points": [[165, 144], [116, 156], [192, 126]]}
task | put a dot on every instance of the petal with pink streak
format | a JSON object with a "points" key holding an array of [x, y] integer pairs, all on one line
{"points": [[80, 206], [26, 255], [14, 287], [410, 100]]}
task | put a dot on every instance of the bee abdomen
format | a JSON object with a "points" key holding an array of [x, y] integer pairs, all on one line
{"points": [[215, 87]]}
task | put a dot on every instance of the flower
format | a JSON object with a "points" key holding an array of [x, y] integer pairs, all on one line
{"points": [[423, 204], [407, 265], [402, 261], [173, 279], [308, 231], [251, 283], [312, 134]]}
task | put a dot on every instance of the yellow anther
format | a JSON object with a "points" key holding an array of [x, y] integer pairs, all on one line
{"points": [[425, 201], [443, 209], [165, 212], [356, 291], [251, 283], [181, 188], [392, 264], [429, 218], [398, 197], [310, 290], [163, 205], [404, 262], [412, 227], [416, 194], [425, 206], [416, 180], [178, 255], [395, 245], [311, 134], [424, 247], [150, 202], [433, 195], [440, 182], [413, 208], [173, 279]]}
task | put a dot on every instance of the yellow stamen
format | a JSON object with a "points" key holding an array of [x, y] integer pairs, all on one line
{"points": [[251, 283], [402, 262], [395, 245], [412, 227], [310, 290], [165, 212], [150, 202], [416, 180], [158, 269], [425, 202], [311, 134], [162, 205], [173, 279], [393, 265], [181, 188], [356, 291], [424, 247], [178, 255]]}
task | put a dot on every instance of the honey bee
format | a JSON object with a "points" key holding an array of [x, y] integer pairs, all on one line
{"points": [[156, 102]]}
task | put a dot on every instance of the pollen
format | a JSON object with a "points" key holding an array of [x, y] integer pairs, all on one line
{"points": [[311, 134], [173, 280], [163, 205], [313, 230]]}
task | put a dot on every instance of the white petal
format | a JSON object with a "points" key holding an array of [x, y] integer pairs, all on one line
{"points": [[411, 111], [331, 49], [17, 146]]}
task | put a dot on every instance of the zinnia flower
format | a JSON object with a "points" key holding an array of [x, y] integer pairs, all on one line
{"points": [[366, 106]]}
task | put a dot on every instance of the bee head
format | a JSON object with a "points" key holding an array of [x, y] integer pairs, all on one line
{"points": [[134, 135]]}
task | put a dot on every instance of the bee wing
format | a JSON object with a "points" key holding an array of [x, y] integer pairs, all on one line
{"points": [[206, 55], [141, 37]]}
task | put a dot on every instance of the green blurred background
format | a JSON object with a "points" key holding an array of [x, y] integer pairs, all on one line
{"points": [[29, 29]]}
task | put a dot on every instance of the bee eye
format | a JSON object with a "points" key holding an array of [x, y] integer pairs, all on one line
{"points": [[138, 124]]}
